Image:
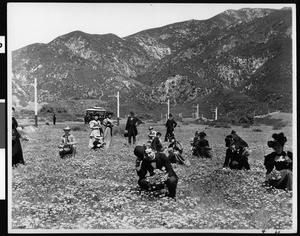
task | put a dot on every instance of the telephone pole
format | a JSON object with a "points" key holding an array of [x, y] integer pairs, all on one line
{"points": [[118, 106], [197, 112]]}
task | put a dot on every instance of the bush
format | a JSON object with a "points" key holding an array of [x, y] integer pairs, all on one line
{"points": [[257, 130], [278, 126], [245, 125], [77, 128]]}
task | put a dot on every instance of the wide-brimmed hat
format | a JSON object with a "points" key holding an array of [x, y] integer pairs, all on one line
{"points": [[158, 133], [150, 128], [279, 140], [202, 134], [67, 128]]}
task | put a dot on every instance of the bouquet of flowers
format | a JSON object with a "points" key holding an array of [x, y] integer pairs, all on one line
{"points": [[157, 181], [275, 175]]}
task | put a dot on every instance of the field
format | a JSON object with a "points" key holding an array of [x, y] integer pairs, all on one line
{"points": [[98, 189]]}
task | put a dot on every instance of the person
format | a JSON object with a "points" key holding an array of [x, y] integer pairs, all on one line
{"points": [[98, 143], [175, 150], [67, 145], [152, 134], [202, 146], [152, 162], [54, 118], [156, 143], [131, 127], [17, 152], [194, 143], [236, 154], [279, 164], [86, 118], [108, 130], [170, 124], [96, 129]]}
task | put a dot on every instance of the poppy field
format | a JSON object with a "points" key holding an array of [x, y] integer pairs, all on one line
{"points": [[98, 190]]}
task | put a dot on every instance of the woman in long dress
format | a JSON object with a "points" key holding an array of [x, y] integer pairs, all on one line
{"points": [[108, 133], [17, 153], [96, 130]]}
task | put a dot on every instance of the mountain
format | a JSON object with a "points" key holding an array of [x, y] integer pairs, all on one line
{"points": [[239, 61]]}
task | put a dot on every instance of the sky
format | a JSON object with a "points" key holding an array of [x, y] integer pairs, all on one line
{"points": [[29, 23]]}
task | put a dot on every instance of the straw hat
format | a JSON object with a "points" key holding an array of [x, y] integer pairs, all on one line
{"points": [[67, 128]]}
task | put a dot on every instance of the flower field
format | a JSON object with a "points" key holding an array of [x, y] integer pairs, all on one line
{"points": [[98, 189]]}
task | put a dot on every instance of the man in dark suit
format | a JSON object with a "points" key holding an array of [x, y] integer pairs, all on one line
{"points": [[171, 124], [150, 163], [156, 144], [131, 124]]}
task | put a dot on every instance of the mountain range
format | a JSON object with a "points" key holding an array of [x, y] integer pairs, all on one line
{"points": [[239, 61]]}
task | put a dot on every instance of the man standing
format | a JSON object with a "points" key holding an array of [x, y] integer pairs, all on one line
{"points": [[54, 118], [131, 124], [171, 124]]}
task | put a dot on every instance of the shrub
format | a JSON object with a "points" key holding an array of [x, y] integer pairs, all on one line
{"points": [[245, 125], [257, 130], [76, 128], [278, 126]]}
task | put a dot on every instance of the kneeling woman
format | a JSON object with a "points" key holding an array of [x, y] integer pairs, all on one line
{"points": [[279, 164], [236, 154]]}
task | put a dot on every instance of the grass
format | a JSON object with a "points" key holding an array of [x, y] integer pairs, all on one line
{"points": [[98, 190]]}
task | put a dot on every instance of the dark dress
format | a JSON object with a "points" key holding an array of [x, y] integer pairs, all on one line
{"points": [[156, 145], [161, 161], [235, 160], [171, 125], [131, 124], [17, 153], [285, 168], [202, 148], [175, 155]]}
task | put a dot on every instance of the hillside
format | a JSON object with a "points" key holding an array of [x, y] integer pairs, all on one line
{"points": [[239, 60]]}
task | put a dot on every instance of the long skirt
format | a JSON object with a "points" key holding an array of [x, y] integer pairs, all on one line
{"points": [[107, 137], [17, 153], [285, 182]]}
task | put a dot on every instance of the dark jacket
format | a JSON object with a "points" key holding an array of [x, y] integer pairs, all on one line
{"points": [[131, 126], [270, 162], [17, 153], [161, 161], [235, 158], [171, 124], [156, 145]]}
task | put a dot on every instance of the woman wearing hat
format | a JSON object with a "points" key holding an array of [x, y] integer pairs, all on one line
{"points": [[17, 153], [96, 129], [236, 153], [108, 124], [98, 143], [279, 164], [152, 134], [68, 144], [202, 148]]}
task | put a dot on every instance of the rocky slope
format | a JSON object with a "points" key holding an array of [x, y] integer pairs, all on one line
{"points": [[238, 60]]}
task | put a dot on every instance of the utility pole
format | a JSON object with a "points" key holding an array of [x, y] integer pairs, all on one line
{"points": [[168, 103], [118, 106], [35, 102], [216, 113], [197, 112]]}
